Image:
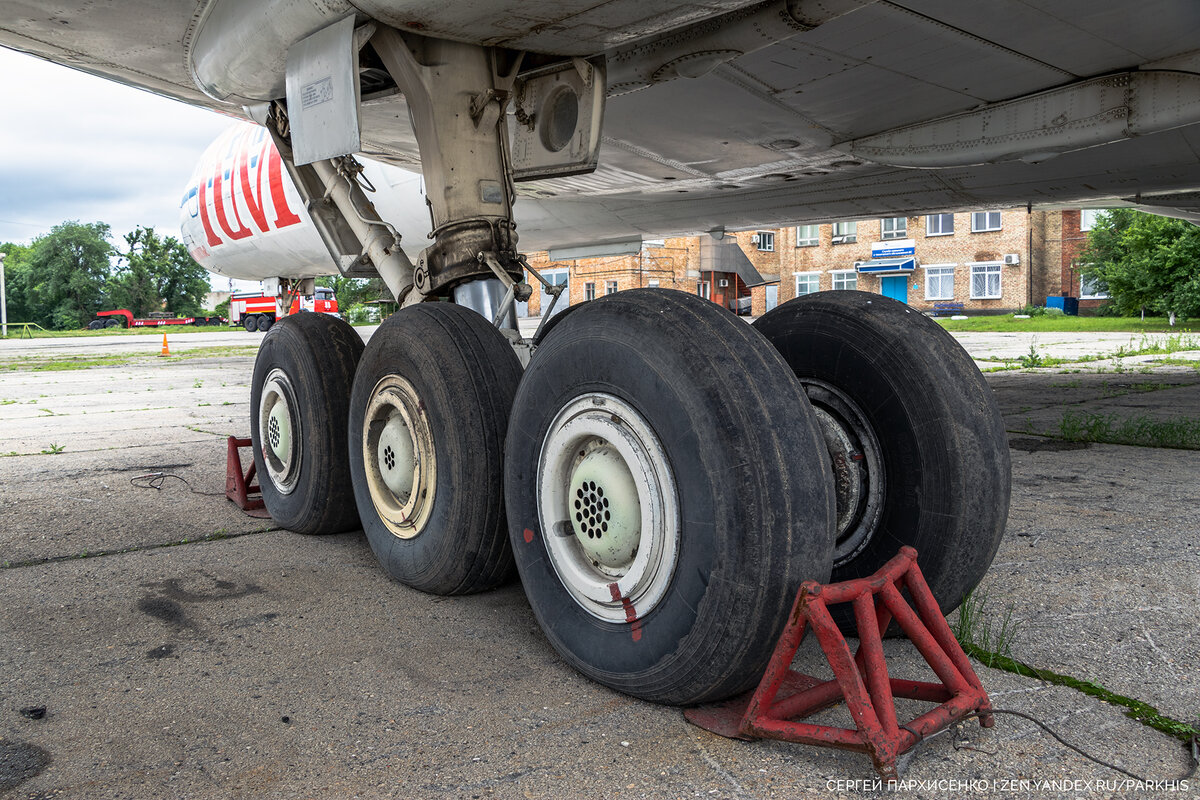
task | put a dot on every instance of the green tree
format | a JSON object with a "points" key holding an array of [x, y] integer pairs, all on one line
{"points": [[68, 270], [16, 282], [1145, 262], [353, 291], [159, 273]]}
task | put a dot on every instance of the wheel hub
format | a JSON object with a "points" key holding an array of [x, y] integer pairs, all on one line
{"points": [[607, 519], [399, 457], [857, 463], [608, 504], [279, 431], [396, 456]]}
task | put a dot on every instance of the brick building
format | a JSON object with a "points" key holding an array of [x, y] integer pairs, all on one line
{"points": [[986, 261]]}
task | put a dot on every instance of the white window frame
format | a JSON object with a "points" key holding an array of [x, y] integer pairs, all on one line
{"points": [[844, 277], [899, 228], [611, 287], [1087, 218], [939, 271], [929, 219], [766, 241], [808, 241], [988, 268], [1083, 283], [589, 290], [704, 289], [987, 217], [848, 231], [807, 276]]}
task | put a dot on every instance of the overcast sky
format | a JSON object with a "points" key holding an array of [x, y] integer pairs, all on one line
{"points": [[76, 147]]}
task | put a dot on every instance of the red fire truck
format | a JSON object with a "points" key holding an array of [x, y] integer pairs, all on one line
{"points": [[256, 311]]}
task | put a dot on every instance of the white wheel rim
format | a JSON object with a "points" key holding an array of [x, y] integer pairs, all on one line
{"points": [[279, 431], [597, 449], [399, 457]]}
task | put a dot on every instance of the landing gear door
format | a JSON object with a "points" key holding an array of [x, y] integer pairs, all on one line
{"points": [[559, 112], [322, 94]]}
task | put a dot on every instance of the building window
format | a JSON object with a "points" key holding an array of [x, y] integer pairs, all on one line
{"points": [[893, 227], [807, 283], [589, 291], [845, 279], [765, 241], [704, 290], [845, 232], [985, 221], [939, 225], [985, 281], [939, 283], [652, 283], [1089, 289], [1088, 218], [808, 235], [610, 287]]}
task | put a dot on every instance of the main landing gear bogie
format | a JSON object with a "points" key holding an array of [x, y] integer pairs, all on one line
{"points": [[662, 476]]}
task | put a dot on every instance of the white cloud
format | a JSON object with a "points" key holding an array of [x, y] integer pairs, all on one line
{"points": [[74, 146]]}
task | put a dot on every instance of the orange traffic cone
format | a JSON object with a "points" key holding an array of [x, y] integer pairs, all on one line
{"points": [[165, 351]]}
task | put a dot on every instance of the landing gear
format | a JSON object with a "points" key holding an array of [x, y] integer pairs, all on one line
{"points": [[916, 442], [667, 493], [299, 402], [428, 417]]}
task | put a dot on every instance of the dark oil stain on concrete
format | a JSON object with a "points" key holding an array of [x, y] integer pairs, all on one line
{"points": [[160, 652], [20, 761], [166, 610], [1030, 444], [222, 590]]}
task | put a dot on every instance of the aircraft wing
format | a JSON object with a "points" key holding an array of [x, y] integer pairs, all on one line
{"points": [[723, 113]]}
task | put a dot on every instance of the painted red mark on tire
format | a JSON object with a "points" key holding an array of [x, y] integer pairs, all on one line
{"points": [[631, 617], [528, 536]]}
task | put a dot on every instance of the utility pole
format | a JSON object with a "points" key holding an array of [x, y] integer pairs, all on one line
{"points": [[3, 302]]}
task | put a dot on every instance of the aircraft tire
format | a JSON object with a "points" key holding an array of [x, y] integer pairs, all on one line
{"points": [[300, 396], [660, 414], [429, 412], [265, 321], [922, 448], [250, 323]]}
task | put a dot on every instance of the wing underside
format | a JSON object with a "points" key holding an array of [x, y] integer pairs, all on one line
{"points": [[735, 115]]}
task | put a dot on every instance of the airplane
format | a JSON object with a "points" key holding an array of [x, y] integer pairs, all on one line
{"points": [[661, 475]]}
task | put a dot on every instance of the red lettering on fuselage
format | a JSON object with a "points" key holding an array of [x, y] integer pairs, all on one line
{"points": [[251, 193]]}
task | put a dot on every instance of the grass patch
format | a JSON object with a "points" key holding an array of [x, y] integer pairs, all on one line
{"points": [[1135, 709], [1006, 323], [988, 637], [83, 333], [1181, 434], [42, 364], [989, 633]]}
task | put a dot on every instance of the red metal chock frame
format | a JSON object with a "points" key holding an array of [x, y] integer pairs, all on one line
{"points": [[860, 679], [239, 486]]}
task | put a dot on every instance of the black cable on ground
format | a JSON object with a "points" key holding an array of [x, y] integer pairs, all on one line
{"points": [[1195, 747], [155, 480]]}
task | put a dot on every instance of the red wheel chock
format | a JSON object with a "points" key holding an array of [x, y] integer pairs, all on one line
{"points": [[238, 486], [861, 679]]}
